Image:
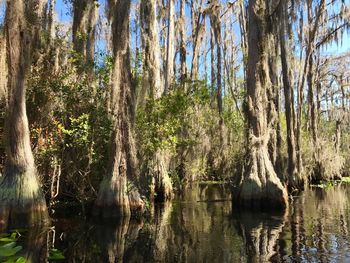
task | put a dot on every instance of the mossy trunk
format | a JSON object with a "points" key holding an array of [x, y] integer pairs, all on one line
{"points": [[51, 28], [152, 80], [259, 187], [295, 180], [85, 14], [22, 202], [198, 32], [160, 184], [118, 195], [3, 71], [182, 51], [273, 94], [170, 47]]}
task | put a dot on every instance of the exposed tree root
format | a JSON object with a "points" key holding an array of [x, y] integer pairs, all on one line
{"points": [[22, 203], [260, 188], [163, 188], [118, 198]]}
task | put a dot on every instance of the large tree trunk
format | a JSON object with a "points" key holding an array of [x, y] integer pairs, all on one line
{"points": [[161, 185], [22, 202], [198, 30], [316, 17], [295, 180], [51, 24], [310, 78], [170, 48], [312, 114], [85, 13], [118, 195], [274, 145], [215, 19], [149, 32], [183, 41], [243, 32], [3, 93], [259, 187], [3, 70]]}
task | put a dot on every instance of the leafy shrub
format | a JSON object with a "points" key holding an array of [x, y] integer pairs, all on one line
{"points": [[9, 249], [70, 126]]}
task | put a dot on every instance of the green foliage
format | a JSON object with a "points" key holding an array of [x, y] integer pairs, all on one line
{"points": [[345, 180], [77, 135], [55, 255], [161, 120], [9, 249], [70, 125], [184, 124]]}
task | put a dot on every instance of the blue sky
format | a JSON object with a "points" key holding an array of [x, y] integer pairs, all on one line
{"points": [[63, 15]]}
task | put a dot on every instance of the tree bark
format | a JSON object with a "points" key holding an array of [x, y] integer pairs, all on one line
{"points": [[183, 41], [85, 13], [161, 186], [309, 52], [215, 20], [295, 180], [118, 195], [273, 91], [22, 202], [3, 70], [51, 25], [149, 32], [312, 115], [198, 30], [212, 61], [243, 32], [169, 68], [260, 187]]}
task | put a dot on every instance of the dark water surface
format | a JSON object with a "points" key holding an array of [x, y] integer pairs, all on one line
{"points": [[201, 227]]}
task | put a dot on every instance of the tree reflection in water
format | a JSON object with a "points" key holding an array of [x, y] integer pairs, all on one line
{"points": [[116, 239], [319, 225], [201, 227], [260, 233]]}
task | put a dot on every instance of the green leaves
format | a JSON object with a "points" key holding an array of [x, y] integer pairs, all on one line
{"points": [[345, 180], [70, 123], [55, 255], [160, 121], [9, 238], [78, 132], [9, 249]]}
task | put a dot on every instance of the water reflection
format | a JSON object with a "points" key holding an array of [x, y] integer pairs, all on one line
{"points": [[260, 233], [319, 224], [201, 227], [116, 240]]}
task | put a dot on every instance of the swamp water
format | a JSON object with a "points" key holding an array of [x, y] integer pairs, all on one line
{"points": [[200, 226]]}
